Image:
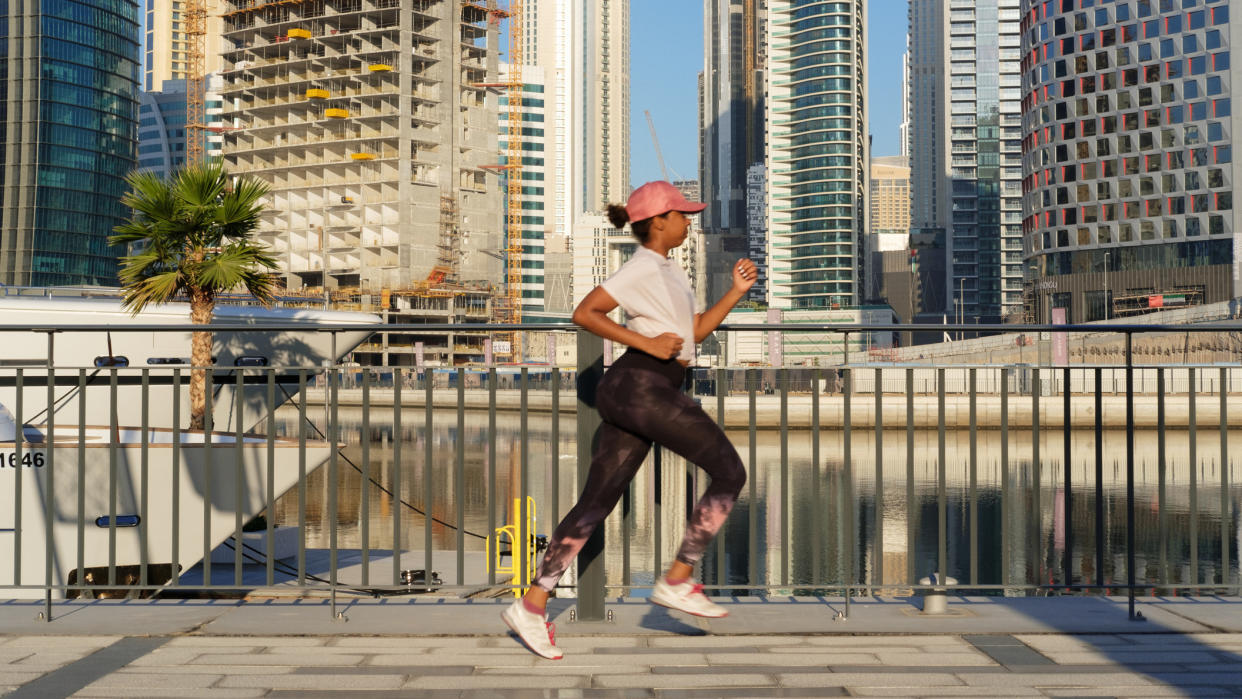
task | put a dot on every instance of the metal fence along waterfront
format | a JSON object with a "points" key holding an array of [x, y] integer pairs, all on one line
{"points": [[996, 475]]}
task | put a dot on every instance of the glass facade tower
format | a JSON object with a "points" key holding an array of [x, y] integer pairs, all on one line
{"points": [[817, 152], [69, 138], [966, 157]]}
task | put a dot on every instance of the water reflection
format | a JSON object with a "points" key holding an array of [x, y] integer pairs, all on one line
{"points": [[877, 513]]}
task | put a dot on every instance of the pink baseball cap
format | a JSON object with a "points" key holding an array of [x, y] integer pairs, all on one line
{"points": [[659, 197]]}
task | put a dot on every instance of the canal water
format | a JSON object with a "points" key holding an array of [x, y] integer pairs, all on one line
{"points": [[810, 518]]}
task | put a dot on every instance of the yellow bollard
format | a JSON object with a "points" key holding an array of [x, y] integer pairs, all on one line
{"points": [[520, 548]]}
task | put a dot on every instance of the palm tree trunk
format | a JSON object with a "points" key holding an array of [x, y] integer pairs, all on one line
{"points": [[202, 305]]}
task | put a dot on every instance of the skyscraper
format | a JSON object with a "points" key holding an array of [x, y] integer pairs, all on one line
{"points": [[68, 105], [817, 152], [162, 128], [1130, 174], [165, 45], [581, 50], [529, 140], [966, 173], [731, 133]]}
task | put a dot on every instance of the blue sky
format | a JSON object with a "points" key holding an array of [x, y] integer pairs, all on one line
{"points": [[666, 55]]}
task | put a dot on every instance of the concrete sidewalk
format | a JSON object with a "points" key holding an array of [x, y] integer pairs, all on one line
{"points": [[774, 646]]}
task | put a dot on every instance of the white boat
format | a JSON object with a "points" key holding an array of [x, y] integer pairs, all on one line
{"points": [[105, 509], [196, 483], [91, 358]]}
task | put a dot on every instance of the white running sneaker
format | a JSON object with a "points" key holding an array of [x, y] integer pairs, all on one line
{"points": [[687, 597], [534, 629]]}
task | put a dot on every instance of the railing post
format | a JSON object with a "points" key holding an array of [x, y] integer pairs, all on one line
{"points": [[590, 559], [1131, 575]]}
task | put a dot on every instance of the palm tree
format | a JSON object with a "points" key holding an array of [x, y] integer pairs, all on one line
{"points": [[191, 236]]}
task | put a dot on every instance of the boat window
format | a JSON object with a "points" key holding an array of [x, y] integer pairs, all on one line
{"points": [[250, 361], [166, 360], [121, 521], [111, 361]]}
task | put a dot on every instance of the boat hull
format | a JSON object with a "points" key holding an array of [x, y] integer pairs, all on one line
{"points": [[107, 501]]}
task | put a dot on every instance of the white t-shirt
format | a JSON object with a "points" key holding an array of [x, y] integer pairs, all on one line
{"points": [[656, 296]]}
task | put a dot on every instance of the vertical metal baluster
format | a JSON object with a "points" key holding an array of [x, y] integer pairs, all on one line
{"points": [[942, 489], [627, 525], [817, 520], [554, 513], [301, 477], [721, 388], [847, 489], [398, 436], [657, 533], [81, 577], [491, 471], [752, 544], [113, 466], [1006, 562], [176, 467], [786, 496], [1161, 476], [1101, 543], [143, 488], [911, 575], [428, 456], [208, 470], [19, 478], [974, 477], [364, 488], [49, 502], [1131, 573], [1035, 532], [239, 495], [526, 535], [459, 477], [269, 498], [1067, 555], [334, 475], [1225, 523], [1192, 436], [877, 570]]}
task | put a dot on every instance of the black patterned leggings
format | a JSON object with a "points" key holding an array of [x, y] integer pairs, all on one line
{"points": [[641, 402]]}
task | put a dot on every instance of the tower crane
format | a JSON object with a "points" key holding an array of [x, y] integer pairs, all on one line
{"points": [[655, 141]]}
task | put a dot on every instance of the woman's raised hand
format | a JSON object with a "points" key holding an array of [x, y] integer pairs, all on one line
{"points": [[665, 346], [744, 275]]}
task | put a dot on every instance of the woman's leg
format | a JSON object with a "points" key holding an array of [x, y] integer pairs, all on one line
{"points": [[616, 457], [682, 427]]}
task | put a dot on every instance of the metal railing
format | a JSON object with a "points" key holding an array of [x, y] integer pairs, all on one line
{"points": [[1007, 479]]}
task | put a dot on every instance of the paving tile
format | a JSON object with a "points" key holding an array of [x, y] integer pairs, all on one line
{"points": [[722, 693], [666, 651], [212, 669], [645, 658], [276, 659], [911, 680], [1184, 679], [911, 640], [718, 641], [1136, 659], [526, 660], [211, 693], [700, 681], [863, 691], [374, 670], [147, 680], [502, 682], [1152, 691], [317, 682], [1056, 679], [239, 642], [935, 659], [790, 659], [61, 643], [564, 668]]}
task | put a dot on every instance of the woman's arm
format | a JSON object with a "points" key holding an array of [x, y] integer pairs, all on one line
{"points": [[592, 314], [744, 275]]}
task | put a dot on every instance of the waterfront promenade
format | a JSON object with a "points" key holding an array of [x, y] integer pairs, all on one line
{"points": [[770, 646]]}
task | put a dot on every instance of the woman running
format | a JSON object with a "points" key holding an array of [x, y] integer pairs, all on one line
{"points": [[641, 401]]}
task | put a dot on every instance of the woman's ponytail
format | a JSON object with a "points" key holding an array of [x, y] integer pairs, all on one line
{"points": [[618, 215]]}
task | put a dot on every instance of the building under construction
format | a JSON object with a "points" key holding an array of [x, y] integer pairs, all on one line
{"points": [[375, 123]]}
